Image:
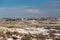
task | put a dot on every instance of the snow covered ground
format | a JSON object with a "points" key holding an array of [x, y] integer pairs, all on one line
{"points": [[27, 30], [31, 30]]}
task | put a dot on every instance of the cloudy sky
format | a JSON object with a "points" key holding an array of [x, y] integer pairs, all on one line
{"points": [[29, 8]]}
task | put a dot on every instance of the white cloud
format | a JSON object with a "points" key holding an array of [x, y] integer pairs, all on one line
{"points": [[25, 9], [31, 10]]}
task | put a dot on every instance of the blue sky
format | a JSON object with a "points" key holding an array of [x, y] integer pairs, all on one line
{"points": [[29, 8]]}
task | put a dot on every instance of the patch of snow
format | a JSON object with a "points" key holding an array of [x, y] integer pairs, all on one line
{"points": [[31, 30], [9, 38], [27, 30], [58, 34]]}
